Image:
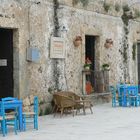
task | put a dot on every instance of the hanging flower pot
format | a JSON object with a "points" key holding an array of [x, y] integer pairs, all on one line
{"points": [[77, 41], [108, 43]]}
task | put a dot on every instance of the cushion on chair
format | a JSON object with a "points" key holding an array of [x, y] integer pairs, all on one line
{"points": [[9, 117], [1, 118], [28, 113]]}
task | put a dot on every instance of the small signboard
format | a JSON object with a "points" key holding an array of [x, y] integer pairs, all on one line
{"points": [[3, 62], [57, 49]]}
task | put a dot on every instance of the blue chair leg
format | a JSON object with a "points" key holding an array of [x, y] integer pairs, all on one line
{"points": [[120, 101], [136, 101], [15, 125], [35, 122], [113, 102], [3, 127], [24, 122], [129, 102]]}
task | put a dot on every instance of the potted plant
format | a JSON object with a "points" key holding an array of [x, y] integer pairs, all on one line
{"points": [[108, 43], [87, 64], [105, 67]]}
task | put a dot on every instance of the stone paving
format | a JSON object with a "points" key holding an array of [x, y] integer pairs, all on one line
{"points": [[106, 123]]}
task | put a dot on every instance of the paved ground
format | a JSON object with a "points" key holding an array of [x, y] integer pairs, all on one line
{"points": [[106, 123]]}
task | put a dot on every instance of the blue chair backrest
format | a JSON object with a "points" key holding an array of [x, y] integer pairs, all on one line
{"points": [[36, 105], [132, 90], [9, 99], [120, 88]]}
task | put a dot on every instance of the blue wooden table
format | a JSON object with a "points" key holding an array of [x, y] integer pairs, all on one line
{"points": [[18, 105]]}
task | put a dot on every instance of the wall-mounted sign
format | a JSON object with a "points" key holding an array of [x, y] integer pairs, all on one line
{"points": [[33, 54], [57, 49], [3, 62]]}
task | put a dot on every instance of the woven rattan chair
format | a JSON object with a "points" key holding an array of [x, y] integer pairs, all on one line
{"points": [[85, 101], [67, 100]]}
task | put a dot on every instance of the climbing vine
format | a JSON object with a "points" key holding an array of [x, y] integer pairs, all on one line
{"points": [[117, 7], [127, 15], [56, 70], [56, 65], [55, 19], [134, 51], [106, 6]]}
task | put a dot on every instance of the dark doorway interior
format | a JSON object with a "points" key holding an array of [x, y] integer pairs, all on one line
{"points": [[6, 63], [90, 54], [90, 50]]}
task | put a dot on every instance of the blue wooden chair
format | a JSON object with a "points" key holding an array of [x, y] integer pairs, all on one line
{"points": [[13, 110], [31, 117], [2, 119], [133, 98], [121, 94], [116, 100], [6, 119]]}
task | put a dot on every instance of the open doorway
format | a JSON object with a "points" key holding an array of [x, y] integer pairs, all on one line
{"points": [[90, 56], [90, 50], [6, 62]]}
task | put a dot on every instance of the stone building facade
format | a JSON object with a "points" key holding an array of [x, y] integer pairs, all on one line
{"points": [[33, 23]]}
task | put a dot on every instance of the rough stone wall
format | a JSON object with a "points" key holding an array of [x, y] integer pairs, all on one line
{"points": [[33, 25]]}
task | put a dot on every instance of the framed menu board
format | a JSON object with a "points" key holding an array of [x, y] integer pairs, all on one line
{"points": [[57, 49]]}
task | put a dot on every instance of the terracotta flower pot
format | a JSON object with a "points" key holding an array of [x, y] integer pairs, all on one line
{"points": [[77, 43], [108, 43]]}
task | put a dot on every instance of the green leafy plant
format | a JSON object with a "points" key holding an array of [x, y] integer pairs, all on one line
{"points": [[41, 112], [126, 8], [106, 6], [47, 110], [127, 15], [105, 66], [75, 2], [41, 102], [87, 65], [117, 7], [137, 13], [84, 2], [134, 51], [51, 89]]}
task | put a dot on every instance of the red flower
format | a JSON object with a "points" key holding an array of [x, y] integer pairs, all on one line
{"points": [[88, 61]]}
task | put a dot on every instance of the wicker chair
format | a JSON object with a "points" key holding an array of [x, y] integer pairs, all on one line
{"points": [[67, 100], [63, 103]]}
